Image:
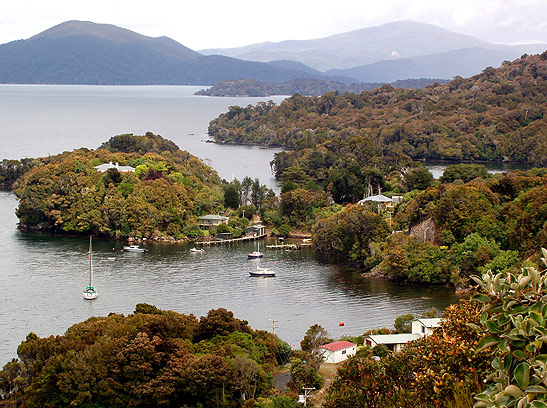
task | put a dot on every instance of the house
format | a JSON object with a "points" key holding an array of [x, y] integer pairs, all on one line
{"points": [[425, 326], [107, 166], [338, 351], [396, 342], [255, 230], [211, 220]]}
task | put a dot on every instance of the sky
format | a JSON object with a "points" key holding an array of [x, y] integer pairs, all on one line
{"points": [[200, 24]]}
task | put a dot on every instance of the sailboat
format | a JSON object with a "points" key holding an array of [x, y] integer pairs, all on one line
{"points": [[255, 254], [90, 292]]}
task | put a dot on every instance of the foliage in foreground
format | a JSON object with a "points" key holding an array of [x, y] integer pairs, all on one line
{"points": [[514, 314], [150, 358], [427, 373]]}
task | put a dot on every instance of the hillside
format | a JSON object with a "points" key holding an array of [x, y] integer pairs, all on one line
{"points": [[391, 41], [496, 115], [66, 194], [80, 52]]}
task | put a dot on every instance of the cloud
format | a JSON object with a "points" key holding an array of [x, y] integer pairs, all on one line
{"points": [[217, 23]]}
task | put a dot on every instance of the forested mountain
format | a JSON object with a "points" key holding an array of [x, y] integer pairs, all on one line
{"points": [[496, 115], [401, 39], [464, 62], [79, 52], [248, 87]]}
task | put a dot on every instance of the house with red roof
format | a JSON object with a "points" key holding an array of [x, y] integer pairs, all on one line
{"points": [[338, 351]]}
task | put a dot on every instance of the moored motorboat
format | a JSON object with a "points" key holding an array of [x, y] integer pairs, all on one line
{"points": [[133, 248], [197, 250]]}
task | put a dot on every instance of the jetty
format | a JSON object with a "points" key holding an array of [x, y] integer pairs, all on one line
{"points": [[230, 240], [289, 246]]}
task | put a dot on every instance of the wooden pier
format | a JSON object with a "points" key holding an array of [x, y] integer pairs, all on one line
{"points": [[289, 246], [231, 240]]}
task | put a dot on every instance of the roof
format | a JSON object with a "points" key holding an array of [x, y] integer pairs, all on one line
{"points": [[256, 226], [338, 345], [430, 322], [110, 165], [212, 217], [401, 338], [379, 197]]}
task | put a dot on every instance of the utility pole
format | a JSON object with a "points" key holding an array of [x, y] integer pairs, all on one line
{"points": [[273, 325], [306, 390]]}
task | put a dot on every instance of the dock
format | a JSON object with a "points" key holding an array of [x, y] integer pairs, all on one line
{"points": [[231, 240], [289, 246]]}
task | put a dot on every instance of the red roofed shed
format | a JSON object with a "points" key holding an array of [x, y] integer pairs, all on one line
{"points": [[338, 351]]}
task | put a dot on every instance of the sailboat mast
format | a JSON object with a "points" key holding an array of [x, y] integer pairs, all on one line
{"points": [[90, 264]]}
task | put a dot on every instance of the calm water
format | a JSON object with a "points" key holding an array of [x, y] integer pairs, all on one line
{"points": [[38, 120], [42, 277]]}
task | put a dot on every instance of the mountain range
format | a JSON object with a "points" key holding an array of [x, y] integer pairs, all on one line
{"points": [[390, 41], [82, 52]]}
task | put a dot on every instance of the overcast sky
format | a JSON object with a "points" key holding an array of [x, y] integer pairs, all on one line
{"points": [[202, 24]]}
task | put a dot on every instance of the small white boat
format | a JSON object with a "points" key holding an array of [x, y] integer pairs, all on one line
{"points": [[256, 254], [197, 250], [262, 272], [90, 292], [133, 248]]}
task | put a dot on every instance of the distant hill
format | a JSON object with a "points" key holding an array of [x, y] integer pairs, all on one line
{"points": [[465, 62], [308, 87], [401, 39], [81, 52]]}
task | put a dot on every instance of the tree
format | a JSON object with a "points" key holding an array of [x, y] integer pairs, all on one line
{"points": [[231, 197], [514, 327], [417, 178], [315, 337]]}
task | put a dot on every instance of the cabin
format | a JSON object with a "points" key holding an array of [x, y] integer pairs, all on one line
{"points": [[396, 342], [211, 220], [255, 230], [338, 351], [425, 327], [107, 166], [224, 235]]}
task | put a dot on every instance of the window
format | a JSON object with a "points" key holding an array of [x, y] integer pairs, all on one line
{"points": [[343, 351]]}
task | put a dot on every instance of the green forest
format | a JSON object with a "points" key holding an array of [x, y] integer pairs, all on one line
{"points": [[160, 199], [493, 116]]}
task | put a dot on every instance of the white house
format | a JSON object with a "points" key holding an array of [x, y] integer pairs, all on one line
{"points": [[122, 169], [425, 326], [338, 351], [211, 220], [396, 342]]}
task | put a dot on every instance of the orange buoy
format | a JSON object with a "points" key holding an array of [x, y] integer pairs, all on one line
{"points": [[340, 323]]}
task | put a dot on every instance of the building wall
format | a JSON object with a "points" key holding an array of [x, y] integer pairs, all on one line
{"points": [[339, 355]]}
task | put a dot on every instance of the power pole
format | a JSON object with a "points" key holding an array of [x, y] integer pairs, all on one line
{"points": [[273, 325], [306, 390]]}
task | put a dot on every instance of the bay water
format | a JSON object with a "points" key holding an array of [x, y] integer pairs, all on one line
{"points": [[42, 277]]}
